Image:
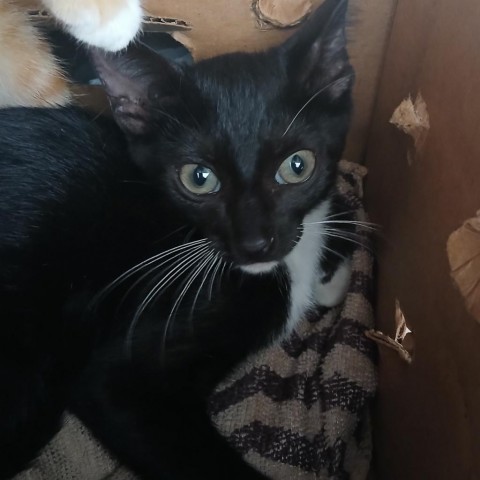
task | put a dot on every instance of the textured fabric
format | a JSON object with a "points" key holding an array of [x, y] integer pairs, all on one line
{"points": [[297, 411]]}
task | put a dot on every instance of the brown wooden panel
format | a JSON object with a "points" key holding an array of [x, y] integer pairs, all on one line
{"points": [[427, 419]]}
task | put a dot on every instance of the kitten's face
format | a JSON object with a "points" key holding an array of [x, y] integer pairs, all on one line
{"points": [[247, 145]]}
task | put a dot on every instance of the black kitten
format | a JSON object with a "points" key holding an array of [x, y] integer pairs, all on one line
{"points": [[139, 265]]}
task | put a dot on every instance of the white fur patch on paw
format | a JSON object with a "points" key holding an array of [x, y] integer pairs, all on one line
{"points": [[86, 24], [333, 292]]}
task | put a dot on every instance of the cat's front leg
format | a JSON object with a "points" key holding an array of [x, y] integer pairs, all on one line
{"points": [[338, 242], [159, 429], [30, 413], [332, 288]]}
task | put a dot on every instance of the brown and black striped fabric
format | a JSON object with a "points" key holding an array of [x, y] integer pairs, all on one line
{"points": [[297, 411]]}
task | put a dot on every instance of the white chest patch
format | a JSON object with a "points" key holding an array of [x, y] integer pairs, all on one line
{"points": [[302, 262]]}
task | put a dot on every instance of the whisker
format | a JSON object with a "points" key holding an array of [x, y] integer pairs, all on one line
{"points": [[205, 277], [339, 214], [229, 270], [168, 280], [334, 252], [192, 309], [301, 229], [315, 95], [328, 231], [282, 283], [177, 303], [145, 263], [214, 274], [355, 235], [222, 271], [353, 222], [296, 241], [347, 239], [171, 234], [342, 231], [366, 225], [189, 234], [161, 285], [171, 260]]}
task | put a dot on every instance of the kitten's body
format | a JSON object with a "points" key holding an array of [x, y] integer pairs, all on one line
{"points": [[81, 203]]}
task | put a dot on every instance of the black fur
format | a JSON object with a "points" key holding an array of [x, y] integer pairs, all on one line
{"points": [[82, 201]]}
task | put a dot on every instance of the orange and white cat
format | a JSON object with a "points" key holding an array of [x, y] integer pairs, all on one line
{"points": [[108, 24], [30, 75]]}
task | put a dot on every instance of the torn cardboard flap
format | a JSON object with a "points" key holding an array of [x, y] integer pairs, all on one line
{"points": [[402, 343], [281, 13], [150, 23], [463, 249], [214, 27], [162, 24], [412, 118]]}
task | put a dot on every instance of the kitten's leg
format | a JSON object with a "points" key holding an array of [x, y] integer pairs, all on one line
{"points": [[336, 262], [160, 431], [331, 290], [29, 414], [32, 389], [108, 24]]}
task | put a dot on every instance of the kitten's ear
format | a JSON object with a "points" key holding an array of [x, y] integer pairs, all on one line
{"points": [[317, 55], [135, 80]]}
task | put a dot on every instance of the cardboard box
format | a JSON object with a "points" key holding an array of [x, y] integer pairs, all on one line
{"points": [[422, 186], [427, 419]]}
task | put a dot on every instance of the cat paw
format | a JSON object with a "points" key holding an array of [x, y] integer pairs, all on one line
{"points": [[107, 24], [333, 291]]}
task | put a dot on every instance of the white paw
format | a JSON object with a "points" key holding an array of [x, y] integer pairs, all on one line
{"points": [[333, 292], [111, 25]]}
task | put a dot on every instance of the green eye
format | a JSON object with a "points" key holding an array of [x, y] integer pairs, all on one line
{"points": [[199, 179], [296, 168]]}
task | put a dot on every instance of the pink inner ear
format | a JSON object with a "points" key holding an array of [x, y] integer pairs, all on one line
{"points": [[116, 82], [128, 78], [130, 115]]}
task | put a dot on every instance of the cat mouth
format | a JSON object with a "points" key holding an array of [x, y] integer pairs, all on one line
{"points": [[258, 268]]}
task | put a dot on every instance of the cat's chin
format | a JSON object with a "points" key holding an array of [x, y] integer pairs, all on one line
{"points": [[259, 268]]}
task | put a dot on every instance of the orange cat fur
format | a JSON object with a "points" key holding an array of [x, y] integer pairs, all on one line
{"points": [[108, 24], [30, 75]]}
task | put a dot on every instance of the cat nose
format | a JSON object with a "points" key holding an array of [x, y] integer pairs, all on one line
{"points": [[255, 246]]}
